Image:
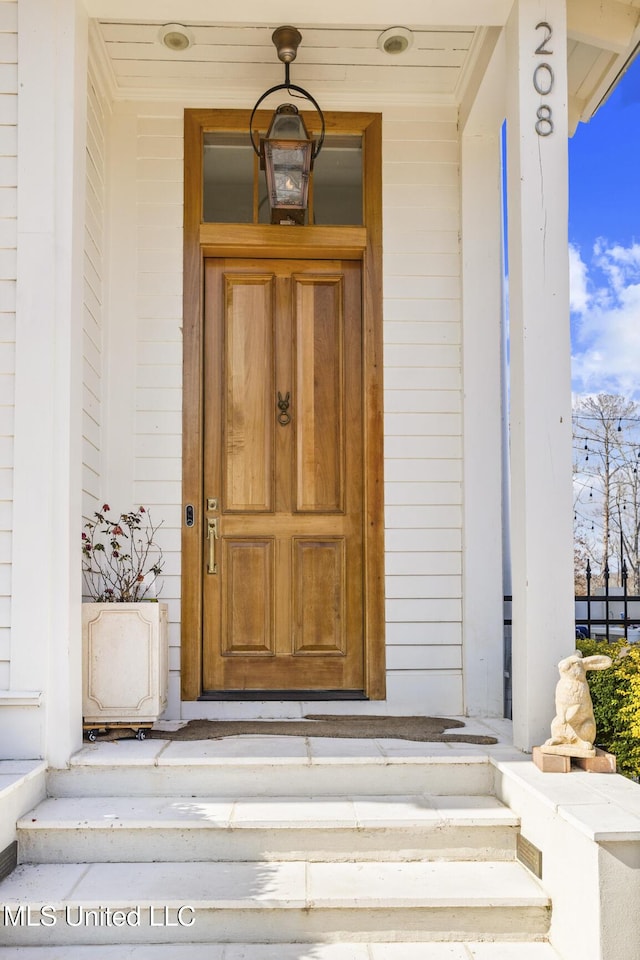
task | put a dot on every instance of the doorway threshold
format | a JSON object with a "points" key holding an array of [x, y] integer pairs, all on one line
{"points": [[237, 695]]}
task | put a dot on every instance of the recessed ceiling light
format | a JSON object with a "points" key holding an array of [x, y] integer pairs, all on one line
{"points": [[175, 37], [395, 40]]}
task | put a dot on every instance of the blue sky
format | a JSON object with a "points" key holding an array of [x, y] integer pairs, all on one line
{"points": [[604, 237]]}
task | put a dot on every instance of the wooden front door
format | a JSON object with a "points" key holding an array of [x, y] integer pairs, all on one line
{"points": [[282, 565]]}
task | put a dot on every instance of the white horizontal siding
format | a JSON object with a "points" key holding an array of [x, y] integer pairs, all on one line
{"points": [[416, 564], [424, 634], [432, 690], [433, 657], [158, 398], [414, 445], [423, 403], [8, 254], [432, 585], [417, 539], [94, 293], [416, 493], [422, 332]]}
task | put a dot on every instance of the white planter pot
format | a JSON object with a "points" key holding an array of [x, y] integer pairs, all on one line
{"points": [[125, 664]]}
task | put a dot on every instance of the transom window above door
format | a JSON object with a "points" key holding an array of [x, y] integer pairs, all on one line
{"points": [[235, 190]]}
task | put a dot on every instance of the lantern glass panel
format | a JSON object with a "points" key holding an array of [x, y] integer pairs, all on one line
{"points": [[287, 166]]}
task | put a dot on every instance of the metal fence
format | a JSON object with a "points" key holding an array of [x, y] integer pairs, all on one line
{"points": [[606, 611]]}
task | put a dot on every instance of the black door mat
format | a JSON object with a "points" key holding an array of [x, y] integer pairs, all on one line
{"points": [[422, 729]]}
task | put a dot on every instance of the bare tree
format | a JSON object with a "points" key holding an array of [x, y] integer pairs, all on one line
{"points": [[607, 509], [580, 560], [626, 518]]}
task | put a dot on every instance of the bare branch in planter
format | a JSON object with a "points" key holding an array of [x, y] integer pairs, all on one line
{"points": [[121, 561]]}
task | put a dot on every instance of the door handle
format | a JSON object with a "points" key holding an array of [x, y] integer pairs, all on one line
{"points": [[212, 535]]}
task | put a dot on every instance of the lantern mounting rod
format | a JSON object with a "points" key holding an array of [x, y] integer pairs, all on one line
{"points": [[286, 41]]}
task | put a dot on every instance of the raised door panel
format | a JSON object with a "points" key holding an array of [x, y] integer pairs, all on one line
{"points": [[248, 622], [249, 394], [320, 393], [319, 597]]}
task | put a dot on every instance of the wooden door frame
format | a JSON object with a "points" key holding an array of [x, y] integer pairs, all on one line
{"points": [[364, 243]]}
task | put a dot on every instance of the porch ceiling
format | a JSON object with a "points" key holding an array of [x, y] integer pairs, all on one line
{"points": [[225, 60], [233, 63]]}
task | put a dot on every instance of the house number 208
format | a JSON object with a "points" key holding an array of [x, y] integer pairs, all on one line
{"points": [[543, 81]]}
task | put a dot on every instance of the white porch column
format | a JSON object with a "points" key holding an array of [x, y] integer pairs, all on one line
{"points": [[482, 281], [46, 624], [540, 380]]}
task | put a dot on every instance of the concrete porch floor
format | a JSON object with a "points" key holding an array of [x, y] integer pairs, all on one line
{"points": [[296, 749]]}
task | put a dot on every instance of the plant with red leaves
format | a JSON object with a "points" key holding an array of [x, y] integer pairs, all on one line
{"points": [[121, 561]]}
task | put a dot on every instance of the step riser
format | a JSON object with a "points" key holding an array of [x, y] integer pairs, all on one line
{"points": [[416, 950], [263, 780], [418, 923], [121, 844]]}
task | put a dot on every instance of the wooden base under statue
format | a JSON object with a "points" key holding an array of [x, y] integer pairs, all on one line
{"points": [[600, 762], [567, 750]]}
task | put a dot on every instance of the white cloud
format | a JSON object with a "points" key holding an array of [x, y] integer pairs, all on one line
{"points": [[605, 303], [578, 291]]}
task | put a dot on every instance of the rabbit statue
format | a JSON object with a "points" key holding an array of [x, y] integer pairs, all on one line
{"points": [[573, 729]]}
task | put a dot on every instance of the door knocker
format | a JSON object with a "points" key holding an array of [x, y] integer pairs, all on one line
{"points": [[283, 406]]}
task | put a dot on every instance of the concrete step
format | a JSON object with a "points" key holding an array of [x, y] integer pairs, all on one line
{"points": [[291, 951], [274, 901], [273, 767], [113, 829]]}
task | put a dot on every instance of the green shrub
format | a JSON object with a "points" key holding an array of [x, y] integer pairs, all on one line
{"points": [[616, 702]]}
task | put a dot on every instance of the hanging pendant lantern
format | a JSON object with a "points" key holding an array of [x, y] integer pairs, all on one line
{"points": [[287, 152], [286, 157]]}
